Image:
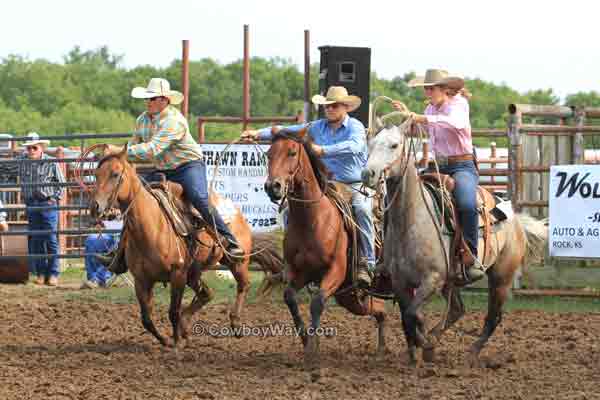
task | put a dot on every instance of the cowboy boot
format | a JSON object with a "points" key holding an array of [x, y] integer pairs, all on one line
{"points": [[474, 270], [363, 277], [233, 249], [117, 266]]}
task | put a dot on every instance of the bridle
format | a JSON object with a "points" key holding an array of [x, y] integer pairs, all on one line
{"points": [[289, 187], [113, 198], [402, 161]]}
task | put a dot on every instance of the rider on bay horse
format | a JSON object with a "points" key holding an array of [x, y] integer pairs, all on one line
{"points": [[162, 136], [341, 142], [446, 120]]}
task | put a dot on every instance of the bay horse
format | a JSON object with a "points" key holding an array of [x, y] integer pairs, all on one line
{"points": [[316, 241], [154, 252], [416, 250]]}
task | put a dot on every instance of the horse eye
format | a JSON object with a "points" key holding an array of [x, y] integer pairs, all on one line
{"points": [[114, 175], [395, 145], [292, 152]]}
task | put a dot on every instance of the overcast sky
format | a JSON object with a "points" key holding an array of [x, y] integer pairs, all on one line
{"points": [[527, 44]]}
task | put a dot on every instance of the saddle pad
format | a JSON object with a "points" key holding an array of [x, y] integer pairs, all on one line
{"points": [[495, 215], [172, 212]]}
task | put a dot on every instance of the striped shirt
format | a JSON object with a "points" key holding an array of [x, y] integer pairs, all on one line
{"points": [[164, 139], [40, 172]]}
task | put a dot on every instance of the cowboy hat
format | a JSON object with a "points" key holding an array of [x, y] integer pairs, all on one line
{"points": [[337, 94], [34, 139], [157, 87], [435, 77]]}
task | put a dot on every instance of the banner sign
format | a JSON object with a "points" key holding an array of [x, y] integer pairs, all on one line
{"points": [[240, 177], [574, 209]]}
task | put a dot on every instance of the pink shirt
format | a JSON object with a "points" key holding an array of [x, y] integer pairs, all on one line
{"points": [[449, 127]]}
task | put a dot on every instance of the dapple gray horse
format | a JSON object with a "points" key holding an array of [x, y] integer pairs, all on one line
{"points": [[416, 250]]}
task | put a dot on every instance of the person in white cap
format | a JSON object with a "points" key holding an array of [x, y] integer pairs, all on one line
{"points": [[341, 143], [33, 173], [162, 136]]}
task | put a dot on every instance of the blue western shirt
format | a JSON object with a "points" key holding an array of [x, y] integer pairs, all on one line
{"points": [[344, 151]]}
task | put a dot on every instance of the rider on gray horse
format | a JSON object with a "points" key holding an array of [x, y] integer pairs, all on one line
{"points": [[447, 122]]}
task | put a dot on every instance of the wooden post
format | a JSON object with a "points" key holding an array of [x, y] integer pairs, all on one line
{"points": [[578, 144], [185, 77], [493, 155], [515, 158], [246, 79], [307, 103]]}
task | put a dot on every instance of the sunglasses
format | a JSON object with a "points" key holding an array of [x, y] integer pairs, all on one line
{"points": [[334, 105], [33, 148], [150, 100]]}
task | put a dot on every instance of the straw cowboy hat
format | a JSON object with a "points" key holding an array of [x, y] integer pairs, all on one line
{"points": [[438, 77], [157, 87], [34, 139], [337, 94]]}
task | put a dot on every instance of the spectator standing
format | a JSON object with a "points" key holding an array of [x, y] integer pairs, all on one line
{"points": [[41, 173]]}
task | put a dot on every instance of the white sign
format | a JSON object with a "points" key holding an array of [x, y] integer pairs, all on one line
{"points": [[574, 203], [240, 176]]}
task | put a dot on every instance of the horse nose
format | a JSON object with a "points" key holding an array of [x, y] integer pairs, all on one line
{"points": [[276, 188], [273, 189]]}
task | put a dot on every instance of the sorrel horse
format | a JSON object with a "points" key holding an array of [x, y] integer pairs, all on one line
{"points": [[417, 254], [316, 241], [154, 252]]}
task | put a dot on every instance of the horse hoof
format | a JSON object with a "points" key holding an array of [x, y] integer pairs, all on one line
{"points": [[429, 354], [311, 355], [236, 327], [315, 375], [381, 352], [473, 360]]}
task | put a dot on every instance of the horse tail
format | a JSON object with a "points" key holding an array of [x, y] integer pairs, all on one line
{"points": [[266, 252], [536, 236]]}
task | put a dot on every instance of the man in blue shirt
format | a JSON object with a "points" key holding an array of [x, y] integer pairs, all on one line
{"points": [[341, 142], [96, 273]]}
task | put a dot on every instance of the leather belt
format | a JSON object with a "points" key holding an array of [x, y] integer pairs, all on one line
{"points": [[443, 161]]}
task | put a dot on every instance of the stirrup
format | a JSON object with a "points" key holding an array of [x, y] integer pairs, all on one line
{"points": [[234, 250], [363, 275], [472, 273]]}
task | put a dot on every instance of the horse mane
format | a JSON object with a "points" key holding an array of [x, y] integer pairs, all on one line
{"points": [[321, 172]]}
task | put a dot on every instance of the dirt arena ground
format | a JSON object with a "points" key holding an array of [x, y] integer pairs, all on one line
{"points": [[59, 347]]}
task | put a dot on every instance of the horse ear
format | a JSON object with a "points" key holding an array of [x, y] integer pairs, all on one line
{"points": [[123, 153]]}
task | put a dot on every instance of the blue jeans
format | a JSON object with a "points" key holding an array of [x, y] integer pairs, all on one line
{"points": [[362, 207], [465, 195], [192, 177], [98, 243], [43, 244]]}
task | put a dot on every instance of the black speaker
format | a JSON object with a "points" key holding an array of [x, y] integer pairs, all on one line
{"points": [[349, 67]]}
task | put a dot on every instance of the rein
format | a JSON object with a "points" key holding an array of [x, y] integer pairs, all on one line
{"points": [[403, 161], [289, 182]]}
